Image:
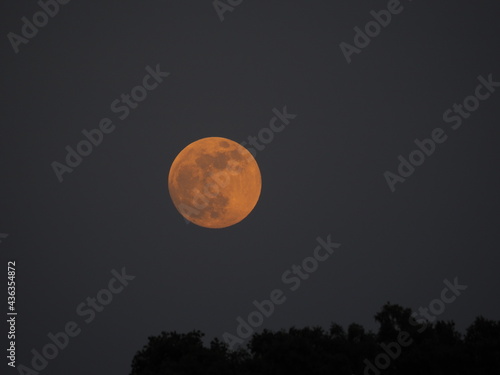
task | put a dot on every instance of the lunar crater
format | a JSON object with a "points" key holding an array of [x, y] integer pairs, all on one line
{"points": [[214, 182]]}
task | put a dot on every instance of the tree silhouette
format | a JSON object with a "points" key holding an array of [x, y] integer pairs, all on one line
{"points": [[173, 353], [482, 343], [430, 348]]}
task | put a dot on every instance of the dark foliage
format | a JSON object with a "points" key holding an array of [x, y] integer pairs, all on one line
{"points": [[401, 346]]}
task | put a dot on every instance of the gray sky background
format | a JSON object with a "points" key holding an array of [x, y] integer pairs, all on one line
{"points": [[322, 175]]}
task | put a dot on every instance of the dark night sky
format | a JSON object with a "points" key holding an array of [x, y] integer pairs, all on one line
{"points": [[323, 175]]}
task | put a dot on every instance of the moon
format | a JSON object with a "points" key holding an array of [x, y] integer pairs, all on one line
{"points": [[214, 182]]}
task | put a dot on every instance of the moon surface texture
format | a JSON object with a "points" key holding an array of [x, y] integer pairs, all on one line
{"points": [[214, 182]]}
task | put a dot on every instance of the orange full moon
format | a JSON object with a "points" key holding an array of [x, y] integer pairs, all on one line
{"points": [[214, 182]]}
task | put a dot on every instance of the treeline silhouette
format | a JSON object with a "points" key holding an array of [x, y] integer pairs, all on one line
{"points": [[401, 346]]}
